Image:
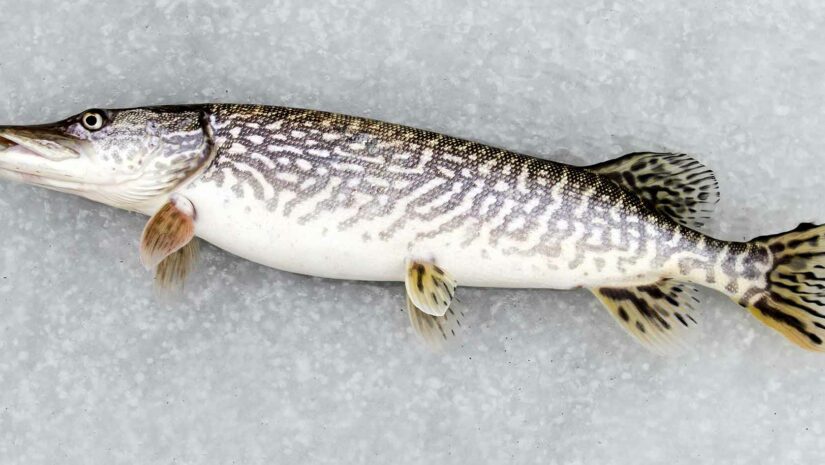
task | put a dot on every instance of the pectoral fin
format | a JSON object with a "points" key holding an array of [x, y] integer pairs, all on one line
{"points": [[166, 244], [171, 273], [430, 288]]}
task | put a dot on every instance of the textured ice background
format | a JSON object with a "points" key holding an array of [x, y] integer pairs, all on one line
{"points": [[254, 365]]}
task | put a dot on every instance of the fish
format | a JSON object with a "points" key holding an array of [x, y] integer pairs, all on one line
{"points": [[346, 197]]}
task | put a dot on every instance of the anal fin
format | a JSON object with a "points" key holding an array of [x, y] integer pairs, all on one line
{"points": [[657, 315]]}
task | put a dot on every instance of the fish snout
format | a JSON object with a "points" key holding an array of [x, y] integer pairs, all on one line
{"points": [[5, 143], [43, 141]]}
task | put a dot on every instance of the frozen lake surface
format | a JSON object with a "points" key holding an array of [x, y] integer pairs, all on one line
{"points": [[253, 365]]}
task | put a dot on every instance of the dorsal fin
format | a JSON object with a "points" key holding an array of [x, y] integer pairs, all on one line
{"points": [[674, 183]]}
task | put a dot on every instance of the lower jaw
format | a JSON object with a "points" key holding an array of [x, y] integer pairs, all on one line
{"points": [[28, 179], [37, 181], [8, 152], [15, 176]]}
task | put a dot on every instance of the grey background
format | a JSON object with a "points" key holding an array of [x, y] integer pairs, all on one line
{"points": [[253, 365]]}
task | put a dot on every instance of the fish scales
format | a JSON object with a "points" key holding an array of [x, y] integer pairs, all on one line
{"points": [[395, 190], [345, 197]]}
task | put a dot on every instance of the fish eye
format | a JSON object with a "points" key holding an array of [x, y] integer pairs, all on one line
{"points": [[93, 120]]}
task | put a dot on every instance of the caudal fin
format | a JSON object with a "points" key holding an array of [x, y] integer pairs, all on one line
{"points": [[793, 302]]}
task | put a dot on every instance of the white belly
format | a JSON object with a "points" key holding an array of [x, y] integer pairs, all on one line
{"points": [[246, 227]]}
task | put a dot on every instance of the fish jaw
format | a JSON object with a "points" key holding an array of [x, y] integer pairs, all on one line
{"points": [[76, 175], [5, 143], [42, 158], [44, 141]]}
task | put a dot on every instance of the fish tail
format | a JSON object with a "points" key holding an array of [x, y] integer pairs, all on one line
{"points": [[791, 295]]}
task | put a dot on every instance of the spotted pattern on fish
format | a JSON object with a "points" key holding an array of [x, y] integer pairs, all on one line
{"points": [[327, 162], [330, 195]]}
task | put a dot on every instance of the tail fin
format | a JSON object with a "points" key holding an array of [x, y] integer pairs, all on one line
{"points": [[793, 302]]}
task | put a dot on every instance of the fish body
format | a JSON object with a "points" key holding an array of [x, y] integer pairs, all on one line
{"points": [[345, 197]]}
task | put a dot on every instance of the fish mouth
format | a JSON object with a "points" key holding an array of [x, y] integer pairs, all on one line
{"points": [[45, 156], [39, 155], [6, 144], [43, 141]]}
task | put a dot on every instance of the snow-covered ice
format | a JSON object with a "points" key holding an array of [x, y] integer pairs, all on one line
{"points": [[253, 365]]}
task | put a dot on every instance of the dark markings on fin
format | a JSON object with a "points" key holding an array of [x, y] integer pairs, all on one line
{"points": [[430, 288], [675, 184], [794, 302], [654, 314], [435, 331], [171, 228]]}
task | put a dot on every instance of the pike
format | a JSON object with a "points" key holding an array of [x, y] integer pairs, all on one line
{"points": [[344, 197]]}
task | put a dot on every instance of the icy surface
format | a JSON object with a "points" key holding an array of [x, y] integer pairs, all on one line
{"points": [[254, 365]]}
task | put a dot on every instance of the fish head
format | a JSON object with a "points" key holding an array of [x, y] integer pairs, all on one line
{"points": [[127, 158]]}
